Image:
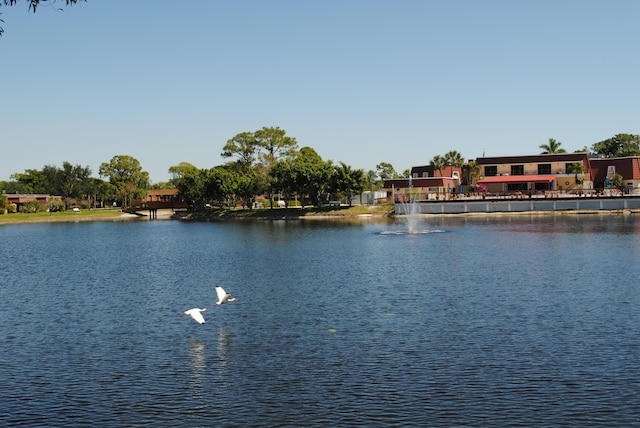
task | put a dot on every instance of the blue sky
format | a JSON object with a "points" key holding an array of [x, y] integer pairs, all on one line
{"points": [[360, 81]]}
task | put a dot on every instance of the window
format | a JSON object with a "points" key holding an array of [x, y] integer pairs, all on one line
{"points": [[517, 186], [425, 174], [490, 171], [544, 168], [541, 186], [517, 169]]}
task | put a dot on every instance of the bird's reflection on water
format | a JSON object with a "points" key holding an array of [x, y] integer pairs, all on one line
{"points": [[197, 365]]}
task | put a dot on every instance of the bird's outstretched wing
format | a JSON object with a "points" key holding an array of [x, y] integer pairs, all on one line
{"points": [[222, 295]]}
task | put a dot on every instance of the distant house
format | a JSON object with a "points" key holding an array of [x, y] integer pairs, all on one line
{"points": [[161, 195], [20, 199], [162, 198]]}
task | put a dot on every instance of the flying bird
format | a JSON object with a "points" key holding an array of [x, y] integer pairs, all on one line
{"points": [[223, 297], [196, 314]]}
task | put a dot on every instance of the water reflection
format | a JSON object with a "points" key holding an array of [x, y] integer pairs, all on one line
{"points": [[197, 365], [225, 339]]}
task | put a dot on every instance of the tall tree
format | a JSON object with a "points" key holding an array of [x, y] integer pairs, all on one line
{"points": [[284, 178], [312, 174], [179, 170], [620, 145], [385, 171], [373, 183], [126, 174], [245, 148], [471, 172], [453, 159], [74, 179], [31, 181], [192, 186], [348, 181], [438, 163], [275, 144], [552, 147]]}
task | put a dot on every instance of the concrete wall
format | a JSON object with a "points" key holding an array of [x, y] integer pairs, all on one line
{"points": [[520, 205]]}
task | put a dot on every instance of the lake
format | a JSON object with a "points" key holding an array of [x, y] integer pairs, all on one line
{"points": [[471, 321]]}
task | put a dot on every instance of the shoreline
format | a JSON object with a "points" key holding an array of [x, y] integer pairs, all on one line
{"points": [[288, 214]]}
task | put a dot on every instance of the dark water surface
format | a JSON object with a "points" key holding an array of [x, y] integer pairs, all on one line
{"points": [[507, 321]]}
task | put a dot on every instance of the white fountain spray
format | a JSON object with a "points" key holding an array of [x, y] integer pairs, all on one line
{"points": [[410, 210]]}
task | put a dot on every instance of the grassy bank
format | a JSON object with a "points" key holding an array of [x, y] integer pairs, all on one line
{"points": [[287, 213], [66, 216]]}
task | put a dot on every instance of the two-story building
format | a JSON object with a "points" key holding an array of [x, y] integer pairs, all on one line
{"points": [[563, 172]]}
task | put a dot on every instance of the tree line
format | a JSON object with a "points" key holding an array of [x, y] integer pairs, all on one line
{"points": [[266, 162]]}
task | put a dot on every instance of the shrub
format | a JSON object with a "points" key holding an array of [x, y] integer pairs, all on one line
{"points": [[31, 207]]}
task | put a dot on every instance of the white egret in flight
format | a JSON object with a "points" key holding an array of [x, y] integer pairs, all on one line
{"points": [[223, 297], [196, 314]]}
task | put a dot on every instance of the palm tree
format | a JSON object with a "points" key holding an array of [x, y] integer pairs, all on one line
{"points": [[471, 172], [437, 163], [453, 158], [552, 147]]}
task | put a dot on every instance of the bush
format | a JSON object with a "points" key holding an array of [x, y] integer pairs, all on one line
{"points": [[56, 205], [31, 207]]}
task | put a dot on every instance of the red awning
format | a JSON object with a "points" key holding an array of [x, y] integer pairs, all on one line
{"points": [[518, 179]]}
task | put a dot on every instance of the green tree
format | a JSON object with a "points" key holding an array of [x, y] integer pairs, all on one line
{"points": [[385, 171], [312, 174], [453, 159], [126, 174], [348, 181], [620, 145], [73, 180], [192, 186], [285, 179], [224, 184], [552, 147], [98, 190], [471, 172], [177, 171], [373, 183], [31, 181], [245, 148], [11, 186], [275, 144], [438, 163]]}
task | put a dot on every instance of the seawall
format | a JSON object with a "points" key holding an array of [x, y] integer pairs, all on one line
{"points": [[520, 205]]}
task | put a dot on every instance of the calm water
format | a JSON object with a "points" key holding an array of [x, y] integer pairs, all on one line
{"points": [[531, 321]]}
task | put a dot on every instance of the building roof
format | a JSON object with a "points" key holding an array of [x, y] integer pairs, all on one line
{"points": [[418, 182], [518, 179], [556, 157], [162, 192]]}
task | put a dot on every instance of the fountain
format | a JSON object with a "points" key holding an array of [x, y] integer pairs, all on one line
{"points": [[411, 212]]}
